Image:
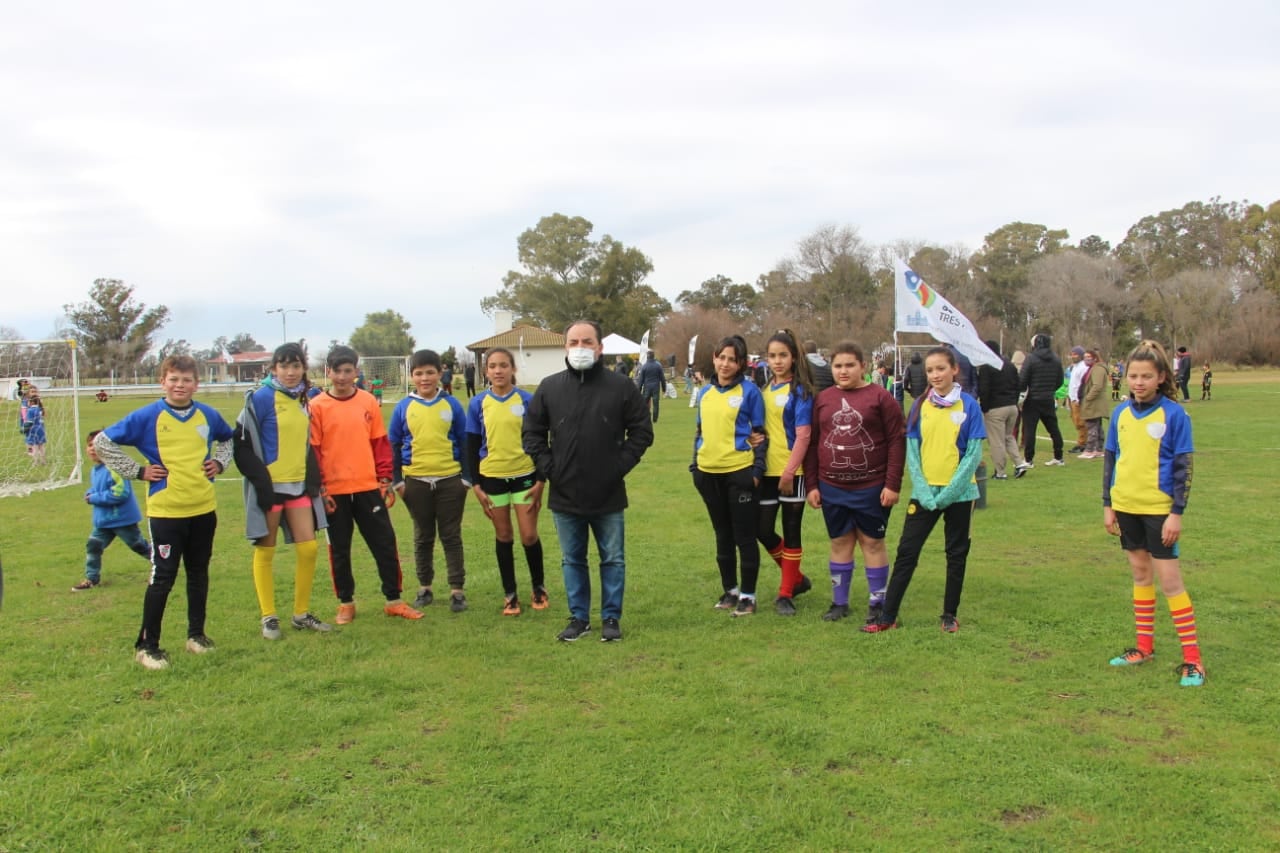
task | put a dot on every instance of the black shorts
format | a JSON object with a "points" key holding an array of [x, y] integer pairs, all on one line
{"points": [[1142, 533], [769, 493], [507, 485]]}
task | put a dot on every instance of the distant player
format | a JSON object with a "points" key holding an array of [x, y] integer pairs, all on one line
{"points": [[115, 514], [1206, 383]]}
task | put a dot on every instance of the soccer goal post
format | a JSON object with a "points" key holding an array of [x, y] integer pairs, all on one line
{"points": [[386, 377], [40, 441]]}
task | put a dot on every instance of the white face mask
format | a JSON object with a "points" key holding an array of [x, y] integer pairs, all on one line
{"points": [[581, 358]]}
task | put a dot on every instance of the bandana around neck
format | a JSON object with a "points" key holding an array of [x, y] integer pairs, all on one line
{"points": [[952, 397], [295, 391]]}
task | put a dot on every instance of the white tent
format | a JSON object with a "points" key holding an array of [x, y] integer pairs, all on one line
{"points": [[615, 344]]}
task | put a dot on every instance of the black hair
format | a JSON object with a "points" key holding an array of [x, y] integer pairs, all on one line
{"points": [[425, 358], [592, 323], [341, 355], [947, 351], [288, 354], [801, 375], [739, 346], [93, 433], [848, 348], [500, 351]]}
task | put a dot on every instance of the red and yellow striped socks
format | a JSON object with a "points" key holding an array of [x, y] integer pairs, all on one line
{"points": [[1184, 622], [1144, 616]]}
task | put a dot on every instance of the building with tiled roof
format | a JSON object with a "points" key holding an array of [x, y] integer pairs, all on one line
{"points": [[538, 352]]}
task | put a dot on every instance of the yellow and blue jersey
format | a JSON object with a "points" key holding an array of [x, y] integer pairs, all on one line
{"points": [[427, 436], [498, 422], [1147, 441], [284, 430], [944, 434], [182, 441], [726, 417], [785, 408]]}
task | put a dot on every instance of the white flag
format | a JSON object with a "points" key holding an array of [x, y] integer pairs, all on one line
{"points": [[920, 308], [644, 344], [693, 348]]}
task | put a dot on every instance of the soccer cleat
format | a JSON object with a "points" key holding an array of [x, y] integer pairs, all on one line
{"points": [[424, 599], [346, 613], [511, 607], [1054, 462], [610, 632], [728, 601], [949, 623], [835, 613], [199, 644], [457, 602], [1132, 657], [1191, 675], [402, 610], [879, 627], [804, 586], [270, 628], [575, 629], [83, 585], [873, 614], [308, 622], [152, 658], [540, 600], [746, 607], [784, 606]]}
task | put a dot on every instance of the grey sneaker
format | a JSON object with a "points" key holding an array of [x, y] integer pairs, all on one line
{"points": [[575, 629], [610, 632], [784, 606], [270, 628], [152, 658], [1054, 462], [199, 644], [457, 602], [308, 622], [835, 613], [425, 597]]}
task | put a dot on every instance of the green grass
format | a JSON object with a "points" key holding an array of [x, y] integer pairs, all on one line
{"points": [[701, 732]]}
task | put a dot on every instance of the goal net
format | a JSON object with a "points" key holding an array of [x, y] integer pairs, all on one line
{"points": [[40, 446], [386, 377]]}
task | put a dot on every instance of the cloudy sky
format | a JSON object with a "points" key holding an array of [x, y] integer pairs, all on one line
{"points": [[347, 158]]}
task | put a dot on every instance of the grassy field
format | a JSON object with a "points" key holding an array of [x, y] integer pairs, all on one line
{"points": [[698, 732]]}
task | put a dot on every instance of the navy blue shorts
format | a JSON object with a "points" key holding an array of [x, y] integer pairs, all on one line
{"points": [[1142, 533], [845, 509]]}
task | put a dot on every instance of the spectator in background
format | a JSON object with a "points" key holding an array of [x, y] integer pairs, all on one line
{"points": [[1183, 373], [1040, 378], [469, 376], [968, 377], [915, 379], [652, 380], [819, 367], [1094, 405], [1075, 378], [998, 390]]}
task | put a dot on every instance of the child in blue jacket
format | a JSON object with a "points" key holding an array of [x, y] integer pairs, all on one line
{"points": [[115, 513]]}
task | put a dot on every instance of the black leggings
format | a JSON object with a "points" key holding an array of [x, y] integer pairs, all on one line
{"points": [[792, 522], [731, 504]]}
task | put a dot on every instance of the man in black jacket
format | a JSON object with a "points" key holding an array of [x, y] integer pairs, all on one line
{"points": [[1041, 378], [652, 380], [998, 397], [586, 428]]}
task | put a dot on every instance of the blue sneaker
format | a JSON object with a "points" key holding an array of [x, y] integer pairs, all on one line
{"points": [[1132, 657], [1191, 675]]}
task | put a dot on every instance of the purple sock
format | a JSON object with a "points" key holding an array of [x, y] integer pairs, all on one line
{"points": [[841, 577], [877, 580]]}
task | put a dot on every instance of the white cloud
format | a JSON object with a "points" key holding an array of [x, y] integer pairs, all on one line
{"points": [[244, 157]]}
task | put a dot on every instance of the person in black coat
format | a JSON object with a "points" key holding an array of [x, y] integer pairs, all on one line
{"points": [[1041, 377], [917, 384], [998, 397]]}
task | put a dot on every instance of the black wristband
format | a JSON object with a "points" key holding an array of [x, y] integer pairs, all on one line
{"points": [[142, 469]]}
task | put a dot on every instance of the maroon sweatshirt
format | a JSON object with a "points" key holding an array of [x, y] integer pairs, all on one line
{"points": [[858, 440]]}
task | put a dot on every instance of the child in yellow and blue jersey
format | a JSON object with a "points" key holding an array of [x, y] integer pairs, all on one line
{"points": [[1145, 485], [185, 444], [507, 476], [115, 514], [728, 461], [945, 429], [281, 484], [788, 418], [428, 433]]}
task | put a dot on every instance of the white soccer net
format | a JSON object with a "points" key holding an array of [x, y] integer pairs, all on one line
{"points": [[386, 377], [39, 449]]}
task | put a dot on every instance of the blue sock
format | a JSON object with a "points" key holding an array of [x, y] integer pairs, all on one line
{"points": [[877, 580], [841, 577]]}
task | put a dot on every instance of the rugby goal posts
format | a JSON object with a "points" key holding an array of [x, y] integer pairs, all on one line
{"points": [[51, 367]]}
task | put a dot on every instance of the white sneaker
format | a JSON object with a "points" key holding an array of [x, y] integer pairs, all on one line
{"points": [[270, 628], [1054, 462], [156, 659]]}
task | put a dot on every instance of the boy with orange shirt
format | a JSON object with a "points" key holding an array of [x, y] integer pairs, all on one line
{"points": [[351, 445]]}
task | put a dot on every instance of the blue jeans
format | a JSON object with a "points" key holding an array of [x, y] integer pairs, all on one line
{"points": [[609, 531], [101, 537]]}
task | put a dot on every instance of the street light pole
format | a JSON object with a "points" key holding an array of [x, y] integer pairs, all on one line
{"points": [[284, 319]]}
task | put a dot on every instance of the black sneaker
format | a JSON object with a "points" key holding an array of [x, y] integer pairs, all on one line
{"points": [[835, 613], [728, 601], [575, 629], [784, 606], [425, 597], [1021, 470], [874, 611], [199, 644], [804, 586], [746, 607], [1079, 448], [457, 602], [610, 632]]}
